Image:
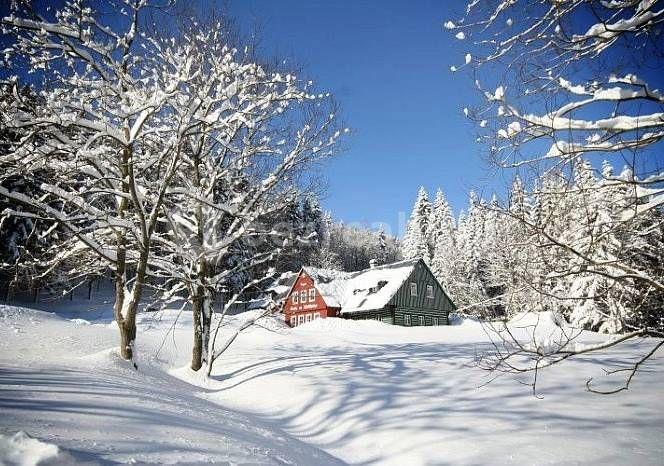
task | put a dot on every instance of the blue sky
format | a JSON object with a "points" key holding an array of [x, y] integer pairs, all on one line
{"points": [[388, 64]]}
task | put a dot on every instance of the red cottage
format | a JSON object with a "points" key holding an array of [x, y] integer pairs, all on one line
{"points": [[312, 296]]}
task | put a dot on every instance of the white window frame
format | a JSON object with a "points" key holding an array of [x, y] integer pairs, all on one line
{"points": [[300, 319], [312, 295], [422, 321], [430, 294], [308, 318], [303, 296], [436, 321], [316, 315], [413, 288], [293, 321], [295, 298], [406, 320]]}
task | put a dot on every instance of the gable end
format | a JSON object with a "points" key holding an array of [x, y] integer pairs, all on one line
{"points": [[422, 276]]}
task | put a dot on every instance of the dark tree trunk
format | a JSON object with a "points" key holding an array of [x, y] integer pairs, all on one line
{"points": [[202, 313], [197, 351], [127, 338], [201, 299]]}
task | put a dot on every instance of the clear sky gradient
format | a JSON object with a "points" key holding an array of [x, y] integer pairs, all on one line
{"points": [[387, 62]]}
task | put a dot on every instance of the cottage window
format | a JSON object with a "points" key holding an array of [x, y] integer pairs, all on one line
{"points": [[435, 321], [430, 291], [303, 296], [421, 320], [413, 289], [293, 321], [406, 320], [295, 300], [312, 295], [300, 319], [316, 315], [308, 317]]}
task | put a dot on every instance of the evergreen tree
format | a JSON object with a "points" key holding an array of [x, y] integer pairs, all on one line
{"points": [[472, 263], [442, 239], [441, 223], [590, 236], [415, 242], [381, 256], [325, 257]]}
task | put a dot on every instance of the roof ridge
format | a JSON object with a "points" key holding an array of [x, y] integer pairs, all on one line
{"points": [[355, 273], [392, 264]]}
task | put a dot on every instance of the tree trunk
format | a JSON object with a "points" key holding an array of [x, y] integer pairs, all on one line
{"points": [[202, 314], [197, 351], [118, 308], [127, 338], [127, 322], [124, 316], [202, 298], [126, 306]]}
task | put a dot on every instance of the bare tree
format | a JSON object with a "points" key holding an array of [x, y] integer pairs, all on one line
{"points": [[106, 134], [247, 135]]}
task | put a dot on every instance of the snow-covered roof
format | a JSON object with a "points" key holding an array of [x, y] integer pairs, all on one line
{"points": [[282, 284], [373, 288], [361, 291], [331, 284]]}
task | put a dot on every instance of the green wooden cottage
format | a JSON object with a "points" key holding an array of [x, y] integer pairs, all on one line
{"points": [[403, 293]]}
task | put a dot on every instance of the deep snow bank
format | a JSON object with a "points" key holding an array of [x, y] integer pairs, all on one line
{"points": [[21, 449]]}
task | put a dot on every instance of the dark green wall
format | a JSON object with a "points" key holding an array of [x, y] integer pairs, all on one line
{"points": [[384, 314], [438, 306]]}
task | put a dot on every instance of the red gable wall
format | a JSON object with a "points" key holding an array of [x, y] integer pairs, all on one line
{"points": [[305, 283]]}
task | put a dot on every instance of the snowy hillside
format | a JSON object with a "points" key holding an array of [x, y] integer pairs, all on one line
{"points": [[62, 382], [363, 392]]}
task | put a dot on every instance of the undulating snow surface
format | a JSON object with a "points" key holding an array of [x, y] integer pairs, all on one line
{"points": [[363, 392], [64, 384]]}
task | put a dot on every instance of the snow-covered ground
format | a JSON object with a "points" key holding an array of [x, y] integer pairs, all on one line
{"points": [[327, 392]]}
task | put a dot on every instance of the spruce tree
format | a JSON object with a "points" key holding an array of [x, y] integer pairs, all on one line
{"points": [[415, 244]]}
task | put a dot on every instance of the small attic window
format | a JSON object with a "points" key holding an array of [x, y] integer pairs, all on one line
{"points": [[413, 289], [379, 285]]}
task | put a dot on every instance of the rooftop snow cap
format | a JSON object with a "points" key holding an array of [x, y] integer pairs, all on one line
{"points": [[362, 291]]}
